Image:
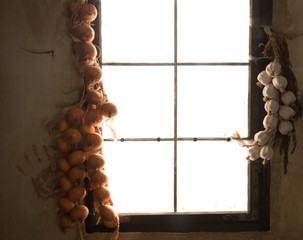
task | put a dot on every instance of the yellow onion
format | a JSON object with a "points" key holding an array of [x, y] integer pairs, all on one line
{"points": [[79, 213]]}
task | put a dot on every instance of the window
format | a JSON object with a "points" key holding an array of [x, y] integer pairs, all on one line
{"points": [[183, 83]]}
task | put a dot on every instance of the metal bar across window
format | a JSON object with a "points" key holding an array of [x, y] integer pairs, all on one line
{"points": [[177, 64]]}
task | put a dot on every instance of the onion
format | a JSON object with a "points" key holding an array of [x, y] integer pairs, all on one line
{"points": [[107, 212], [72, 136], [74, 116], [102, 194], [86, 129], [93, 117], [109, 110], [87, 12], [77, 193], [81, 65], [111, 223], [76, 174], [93, 97], [83, 32], [64, 183], [92, 73], [61, 125], [62, 165], [67, 222], [76, 158], [97, 178], [72, 7], [79, 213], [65, 204], [63, 146], [85, 51], [95, 161], [92, 141]]}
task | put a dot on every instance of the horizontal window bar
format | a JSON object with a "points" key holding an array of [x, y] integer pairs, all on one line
{"points": [[173, 139], [179, 64]]}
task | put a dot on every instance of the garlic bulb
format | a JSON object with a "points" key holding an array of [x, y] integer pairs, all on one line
{"points": [[269, 91], [273, 69], [267, 152], [253, 152], [262, 137], [285, 127], [279, 83], [270, 121], [288, 97], [286, 112], [271, 106], [264, 78]]}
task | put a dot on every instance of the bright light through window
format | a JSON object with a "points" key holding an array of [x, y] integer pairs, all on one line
{"points": [[179, 76]]}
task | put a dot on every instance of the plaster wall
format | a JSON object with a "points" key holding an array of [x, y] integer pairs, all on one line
{"points": [[33, 89]]}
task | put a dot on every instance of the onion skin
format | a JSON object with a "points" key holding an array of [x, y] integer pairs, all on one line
{"points": [[83, 33], [108, 110], [87, 129], [102, 194], [65, 204], [93, 97], [93, 117], [92, 73], [61, 125], [76, 174], [62, 165], [76, 158], [107, 212], [97, 178], [64, 183], [72, 136], [79, 213], [92, 141], [95, 161], [77, 193], [87, 12], [74, 116], [63, 146], [85, 51]]}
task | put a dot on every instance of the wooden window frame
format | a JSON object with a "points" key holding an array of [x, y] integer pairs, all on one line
{"points": [[258, 216]]}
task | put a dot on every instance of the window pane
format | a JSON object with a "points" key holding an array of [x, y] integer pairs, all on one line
{"points": [[212, 177], [140, 176], [213, 31], [137, 31], [144, 97], [212, 101]]}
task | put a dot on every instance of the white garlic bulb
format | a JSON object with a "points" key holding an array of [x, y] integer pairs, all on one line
{"points": [[279, 83], [264, 78], [286, 112], [269, 91], [270, 121], [253, 152], [285, 127], [262, 137], [288, 97], [267, 152], [271, 106], [273, 69]]}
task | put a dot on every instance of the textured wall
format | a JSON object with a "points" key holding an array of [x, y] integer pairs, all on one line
{"points": [[34, 86]]}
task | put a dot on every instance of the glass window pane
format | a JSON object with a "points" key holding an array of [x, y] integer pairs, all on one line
{"points": [[213, 31], [137, 31], [212, 101], [212, 177], [140, 176], [144, 97]]}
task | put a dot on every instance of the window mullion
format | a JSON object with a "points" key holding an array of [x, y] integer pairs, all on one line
{"points": [[175, 103]]}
